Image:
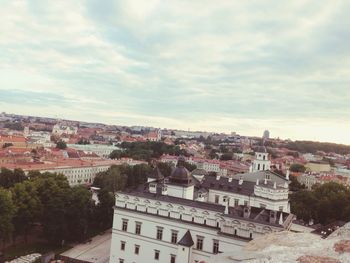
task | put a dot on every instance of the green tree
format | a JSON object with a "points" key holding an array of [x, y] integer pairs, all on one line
{"points": [[7, 211], [7, 144], [226, 156], [61, 145], [190, 167], [112, 180], [53, 191], [165, 168], [325, 203], [83, 141], [80, 206], [298, 168], [28, 205], [295, 185], [116, 154], [303, 205], [9, 178], [104, 210]]}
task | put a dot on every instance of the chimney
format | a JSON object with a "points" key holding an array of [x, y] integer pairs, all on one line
{"points": [[287, 174], [265, 181], [230, 179], [218, 177], [226, 203], [246, 212], [240, 182], [257, 181], [273, 217], [286, 185], [274, 185]]}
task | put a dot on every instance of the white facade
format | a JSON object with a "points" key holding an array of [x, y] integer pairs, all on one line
{"points": [[261, 162], [58, 129], [156, 227], [78, 175], [99, 149], [265, 194]]}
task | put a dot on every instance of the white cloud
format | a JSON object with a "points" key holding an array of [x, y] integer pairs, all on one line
{"points": [[224, 65]]}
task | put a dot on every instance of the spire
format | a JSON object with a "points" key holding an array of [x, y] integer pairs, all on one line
{"points": [[186, 240], [281, 219], [287, 175]]}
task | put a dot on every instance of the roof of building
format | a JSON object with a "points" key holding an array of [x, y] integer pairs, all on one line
{"points": [[177, 200], [222, 184], [156, 174], [199, 172], [186, 240], [180, 175], [257, 215], [261, 149]]}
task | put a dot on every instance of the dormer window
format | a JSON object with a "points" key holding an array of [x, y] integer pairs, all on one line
{"points": [[152, 185]]}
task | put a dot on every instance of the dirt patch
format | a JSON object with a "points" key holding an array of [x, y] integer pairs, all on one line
{"points": [[342, 246], [317, 259]]}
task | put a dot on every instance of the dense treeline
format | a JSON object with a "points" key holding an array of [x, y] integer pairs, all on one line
{"points": [[146, 150], [119, 177], [313, 147], [324, 204], [65, 213]]}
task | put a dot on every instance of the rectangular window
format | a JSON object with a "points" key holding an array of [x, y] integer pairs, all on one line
{"points": [[125, 225], [236, 202], [137, 249], [122, 245], [215, 246], [199, 244], [156, 254], [246, 203], [174, 237], [281, 208], [172, 259], [121, 260], [217, 199], [159, 233], [138, 228]]}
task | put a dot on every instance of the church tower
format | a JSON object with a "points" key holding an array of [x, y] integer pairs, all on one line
{"points": [[261, 162]]}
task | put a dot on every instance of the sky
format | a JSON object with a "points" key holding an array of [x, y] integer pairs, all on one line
{"points": [[221, 66]]}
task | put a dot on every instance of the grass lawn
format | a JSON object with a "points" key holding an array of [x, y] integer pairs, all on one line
{"points": [[25, 249]]}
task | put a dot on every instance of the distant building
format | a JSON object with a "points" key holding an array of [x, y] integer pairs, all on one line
{"points": [[266, 135], [154, 136], [59, 129], [261, 162], [318, 167], [100, 149]]}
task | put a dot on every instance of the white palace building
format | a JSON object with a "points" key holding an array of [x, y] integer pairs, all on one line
{"points": [[189, 218]]}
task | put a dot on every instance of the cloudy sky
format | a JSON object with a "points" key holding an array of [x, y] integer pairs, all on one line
{"points": [[241, 66]]}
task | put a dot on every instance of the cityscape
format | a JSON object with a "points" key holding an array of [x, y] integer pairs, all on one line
{"points": [[90, 192], [174, 131]]}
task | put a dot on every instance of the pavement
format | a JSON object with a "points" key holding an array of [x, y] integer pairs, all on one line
{"points": [[95, 251]]}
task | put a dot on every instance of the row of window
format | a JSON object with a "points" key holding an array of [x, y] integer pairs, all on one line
{"points": [[200, 242], [137, 252], [174, 236], [236, 201], [159, 233]]}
